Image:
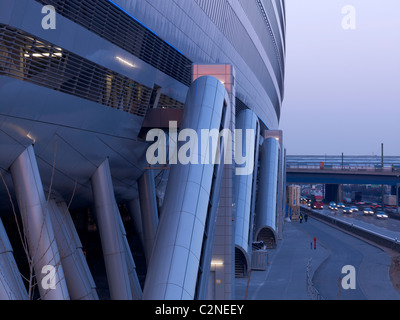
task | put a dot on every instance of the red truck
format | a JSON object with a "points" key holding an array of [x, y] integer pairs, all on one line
{"points": [[317, 202]]}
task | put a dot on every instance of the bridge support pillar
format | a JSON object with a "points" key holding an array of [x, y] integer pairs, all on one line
{"points": [[181, 255], [333, 192]]}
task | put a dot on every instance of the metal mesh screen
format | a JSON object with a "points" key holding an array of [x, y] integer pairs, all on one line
{"points": [[28, 58], [116, 26]]}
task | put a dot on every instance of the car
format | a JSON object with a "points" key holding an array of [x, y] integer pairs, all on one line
{"points": [[332, 203], [368, 212], [347, 210], [318, 205], [381, 215], [333, 207], [354, 208], [374, 205], [303, 200], [340, 205]]}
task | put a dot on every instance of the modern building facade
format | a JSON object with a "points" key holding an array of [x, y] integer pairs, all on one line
{"points": [[86, 90]]}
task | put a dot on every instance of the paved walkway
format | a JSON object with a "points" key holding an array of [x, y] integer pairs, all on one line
{"points": [[285, 276]]}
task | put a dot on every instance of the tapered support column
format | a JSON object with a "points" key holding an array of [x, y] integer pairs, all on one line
{"points": [[130, 263], [78, 277], [136, 217], [174, 265], [37, 227], [11, 285], [244, 186], [268, 187], [114, 247], [149, 211]]}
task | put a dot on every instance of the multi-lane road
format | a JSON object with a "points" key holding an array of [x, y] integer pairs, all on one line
{"points": [[371, 266], [285, 274], [388, 227]]}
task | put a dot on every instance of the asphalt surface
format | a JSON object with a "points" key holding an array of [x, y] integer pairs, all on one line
{"points": [[285, 276], [390, 226]]}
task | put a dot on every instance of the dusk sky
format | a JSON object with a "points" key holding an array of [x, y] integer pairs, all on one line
{"points": [[342, 88]]}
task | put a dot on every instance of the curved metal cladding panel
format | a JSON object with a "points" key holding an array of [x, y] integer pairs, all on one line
{"points": [[173, 268], [37, 225], [11, 284], [244, 183], [207, 31], [266, 199]]}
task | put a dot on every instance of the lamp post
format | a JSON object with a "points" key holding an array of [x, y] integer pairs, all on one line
{"points": [[383, 206], [342, 160]]}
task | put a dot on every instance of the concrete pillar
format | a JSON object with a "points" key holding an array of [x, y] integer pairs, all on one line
{"points": [[11, 285], [149, 211], [79, 280], [174, 265], [38, 229], [340, 193], [114, 248]]}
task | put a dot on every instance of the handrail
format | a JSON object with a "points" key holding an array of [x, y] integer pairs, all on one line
{"points": [[378, 238]]}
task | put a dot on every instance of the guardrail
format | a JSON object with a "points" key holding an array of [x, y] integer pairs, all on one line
{"points": [[356, 169], [379, 239]]}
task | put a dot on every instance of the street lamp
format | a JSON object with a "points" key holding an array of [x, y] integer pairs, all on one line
{"points": [[383, 205]]}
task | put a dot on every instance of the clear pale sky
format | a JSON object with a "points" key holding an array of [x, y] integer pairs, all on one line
{"points": [[342, 87]]}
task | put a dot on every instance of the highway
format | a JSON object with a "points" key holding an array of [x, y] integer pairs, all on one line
{"points": [[285, 276], [389, 227], [371, 263]]}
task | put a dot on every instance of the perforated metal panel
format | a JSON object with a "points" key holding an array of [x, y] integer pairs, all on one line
{"points": [[28, 58], [113, 24]]}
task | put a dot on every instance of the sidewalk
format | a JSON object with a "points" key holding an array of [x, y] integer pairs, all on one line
{"points": [[285, 276]]}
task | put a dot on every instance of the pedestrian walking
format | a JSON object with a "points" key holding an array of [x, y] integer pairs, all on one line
{"points": [[301, 218], [305, 217]]}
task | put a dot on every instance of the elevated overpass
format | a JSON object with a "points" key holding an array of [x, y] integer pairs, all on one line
{"points": [[342, 176], [343, 170]]}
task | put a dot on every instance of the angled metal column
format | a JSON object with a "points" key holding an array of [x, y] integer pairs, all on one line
{"points": [[79, 280], [222, 261], [244, 186], [11, 285], [149, 211], [37, 225], [112, 239], [134, 283], [174, 265], [268, 187], [136, 218], [278, 135]]}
